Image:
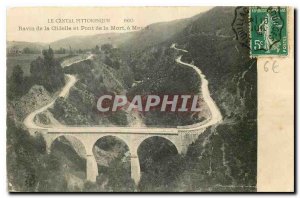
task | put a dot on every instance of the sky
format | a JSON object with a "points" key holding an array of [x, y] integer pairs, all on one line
{"points": [[22, 23]]}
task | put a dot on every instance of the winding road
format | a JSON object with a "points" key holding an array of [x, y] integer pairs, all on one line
{"points": [[215, 114], [71, 80]]}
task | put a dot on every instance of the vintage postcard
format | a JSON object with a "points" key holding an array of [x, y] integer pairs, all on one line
{"points": [[150, 99]]}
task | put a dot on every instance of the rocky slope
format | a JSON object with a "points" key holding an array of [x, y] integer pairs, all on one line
{"points": [[35, 98]]}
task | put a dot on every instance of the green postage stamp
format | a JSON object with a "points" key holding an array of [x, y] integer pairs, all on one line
{"points": [[268, 31]]}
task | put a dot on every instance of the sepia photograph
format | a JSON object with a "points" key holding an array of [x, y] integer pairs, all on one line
{"points": [[146, 99]]}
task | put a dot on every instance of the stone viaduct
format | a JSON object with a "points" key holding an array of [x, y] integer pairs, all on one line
{"points": [[132, 137]]}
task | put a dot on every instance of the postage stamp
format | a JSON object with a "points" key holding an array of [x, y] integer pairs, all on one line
{"points": [[268, 31]]}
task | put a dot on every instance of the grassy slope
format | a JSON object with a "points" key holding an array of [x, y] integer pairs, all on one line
{"points": [[24, 61]]}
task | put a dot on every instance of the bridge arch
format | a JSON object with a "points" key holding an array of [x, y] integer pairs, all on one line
{"points": [[107, 143], [70, 149], [118, 138], [166, 138], [79, 145], [154, 152]]}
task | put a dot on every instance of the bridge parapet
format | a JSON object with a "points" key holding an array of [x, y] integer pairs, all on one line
{"points": [[115, 130], [35, 131]]}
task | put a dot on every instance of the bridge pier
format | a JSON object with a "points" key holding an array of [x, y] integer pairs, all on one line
{"points": [[49, 140], [135, 169], [91, 168]]}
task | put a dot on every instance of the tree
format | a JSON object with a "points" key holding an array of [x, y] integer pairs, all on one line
{"points": [[29, 167], [17, 74], [26, 50], [60, 51], [16, 83], [106, 47], [47, 71], [97, 49]]}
